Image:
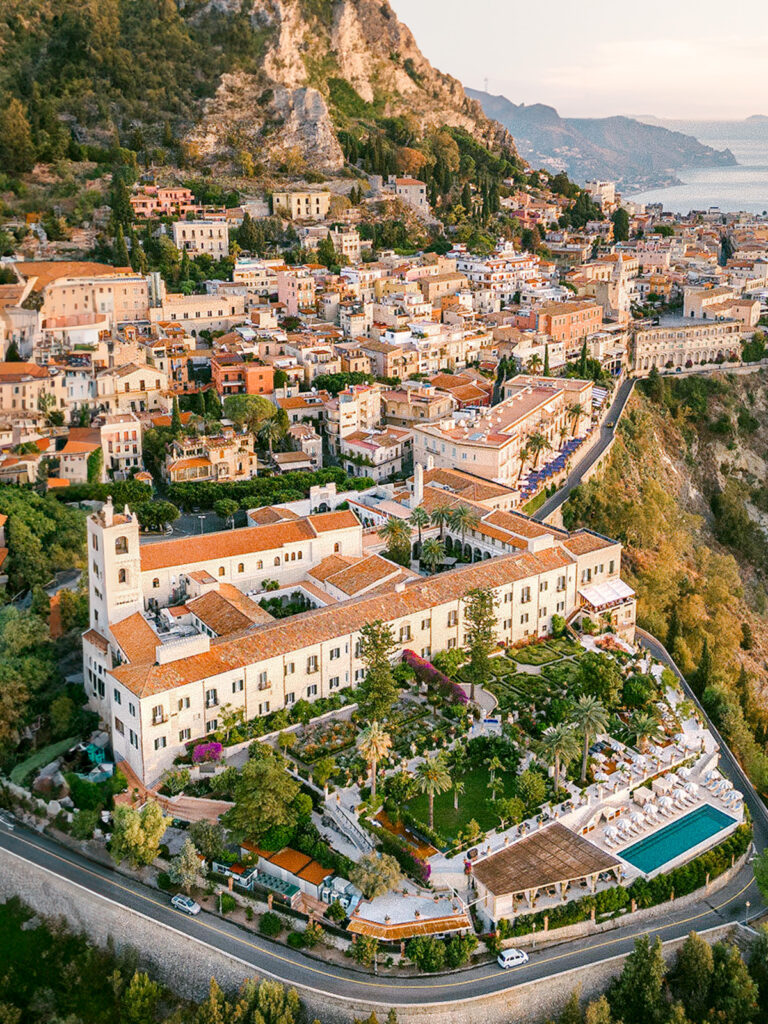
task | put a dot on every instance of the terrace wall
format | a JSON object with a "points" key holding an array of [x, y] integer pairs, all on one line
{"points": [[164, 950]]}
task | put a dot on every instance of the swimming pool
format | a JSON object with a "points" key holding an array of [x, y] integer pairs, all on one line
{"points": [[676, 838]]}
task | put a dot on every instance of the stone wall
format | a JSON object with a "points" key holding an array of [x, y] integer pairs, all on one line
{"points": [[186, 965]]}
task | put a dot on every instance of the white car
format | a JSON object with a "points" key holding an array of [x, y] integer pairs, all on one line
{"points": [[185, 904], [512, 958]]}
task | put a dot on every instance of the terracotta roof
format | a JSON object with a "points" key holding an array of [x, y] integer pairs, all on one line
{"points": [[135, 638], [95, 638], [584, 541], [408, 929], [331, 565], [47, 271], [202, 576], [357, 578], [227, 610], [79, 447], [322, 624], [271, 514], [54, 483]]}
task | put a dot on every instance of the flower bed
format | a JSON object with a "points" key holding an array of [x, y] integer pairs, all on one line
{"points": [[325, 738], [435, 680]]}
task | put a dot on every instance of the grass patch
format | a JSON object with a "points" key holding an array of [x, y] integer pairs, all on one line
{"points": [[21, 773], [474, 802], [536, 654], [535, 503]]}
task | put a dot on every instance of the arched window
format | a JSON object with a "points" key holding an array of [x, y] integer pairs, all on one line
{"points": [[221, 570], [121, 546], [337, 546], [156, 583], [259, 564], [122, 576], [277, 559], [241, 567]]}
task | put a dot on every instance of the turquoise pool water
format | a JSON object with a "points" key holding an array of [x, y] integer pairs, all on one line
{"points": [[670, 842]]}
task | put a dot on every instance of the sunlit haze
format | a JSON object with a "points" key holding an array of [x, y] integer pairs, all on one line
{"points": [[688, 58]]}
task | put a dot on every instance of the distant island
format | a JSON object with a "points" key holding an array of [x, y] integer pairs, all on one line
{"points": [[631, 152]]}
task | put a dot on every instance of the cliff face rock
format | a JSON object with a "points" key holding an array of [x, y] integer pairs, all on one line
{"points": [[283, 110]]}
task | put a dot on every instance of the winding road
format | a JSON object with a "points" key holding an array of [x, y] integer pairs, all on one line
{"points": [[574, 478]]}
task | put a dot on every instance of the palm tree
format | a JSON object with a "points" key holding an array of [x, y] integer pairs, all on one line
{"points": [[522, 455], [458, 789], [575, 412], [590, 717], [432, 553], [493, 764], [397, 534], [463, 518], [375, 744], [270, 433], [420, 519], [431, 778], [643, 728], [535, 364], [560, 745], [538, 443], [441, 516]]}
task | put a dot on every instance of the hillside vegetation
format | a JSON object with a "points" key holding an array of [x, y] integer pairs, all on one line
{"points": [[683, 489]]}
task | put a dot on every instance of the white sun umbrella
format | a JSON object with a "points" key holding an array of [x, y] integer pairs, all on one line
{"points": [[692, 788], [601, 777], [666, 801], [610, 832], [683, 773], [637, 819], [651, 809], [727, 784]]}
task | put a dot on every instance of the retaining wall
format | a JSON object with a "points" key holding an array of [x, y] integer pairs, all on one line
{"points": [[186, 965]]}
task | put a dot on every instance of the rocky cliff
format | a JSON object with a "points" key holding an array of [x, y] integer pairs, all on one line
{"points": [[287, 110]]}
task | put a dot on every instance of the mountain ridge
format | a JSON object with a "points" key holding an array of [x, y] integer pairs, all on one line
{"points": [[630, 152]]}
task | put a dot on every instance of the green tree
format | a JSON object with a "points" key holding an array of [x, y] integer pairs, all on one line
{"points": [[637, 996], [758, 966], [326, 253], [185, 867], [620, 220], [643, 728], [732, 992], [140, 1000], [432, 553], [600, 676], [177, 427], [264, 797], [432, 777], [463, 519], [397, 534], [378, 691], [136, 834], [480, 619], [208, 838], [536, 444], [532, 789], [120, 249], [17, 151], [692, 976], [62, 714], [226, 509], [375, 874], [270, 432], [590, 717], [441, 516], [427, 952], [375, 744], [420, 519], [560, 745], [760, 868]]}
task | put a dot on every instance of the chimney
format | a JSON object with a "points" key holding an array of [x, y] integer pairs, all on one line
{"points": [[418, 484]]}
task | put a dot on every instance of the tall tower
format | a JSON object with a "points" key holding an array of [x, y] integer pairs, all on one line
{"points": [[114, 577]]}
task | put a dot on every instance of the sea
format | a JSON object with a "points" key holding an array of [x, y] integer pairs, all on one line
{"points": [[743, 186]]}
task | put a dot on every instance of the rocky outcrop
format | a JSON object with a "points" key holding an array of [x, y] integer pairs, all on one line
{"points": [[281, 112]]}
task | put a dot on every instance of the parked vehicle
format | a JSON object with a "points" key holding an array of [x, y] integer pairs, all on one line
{"points": [[512, 958], [185, 904]]}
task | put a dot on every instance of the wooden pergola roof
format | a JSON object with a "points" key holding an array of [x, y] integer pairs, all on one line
{"points": [[551, 855]]}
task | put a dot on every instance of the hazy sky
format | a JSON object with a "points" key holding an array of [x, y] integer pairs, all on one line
{"points": [[671, 58]]}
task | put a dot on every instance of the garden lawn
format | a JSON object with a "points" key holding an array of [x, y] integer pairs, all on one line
{"points": [[40, 759], [474, 802]]}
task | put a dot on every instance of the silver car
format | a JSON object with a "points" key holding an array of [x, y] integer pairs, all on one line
{"points": [[185, 904]]}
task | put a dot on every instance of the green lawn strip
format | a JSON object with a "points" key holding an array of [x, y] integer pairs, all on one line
{"points": [[39, 759], [474, 802]]}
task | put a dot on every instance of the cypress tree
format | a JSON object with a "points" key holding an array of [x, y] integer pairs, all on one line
{"points": [[546, 361], [120, 249]]}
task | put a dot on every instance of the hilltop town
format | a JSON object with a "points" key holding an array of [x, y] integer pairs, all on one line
{"points": [[299, 626]]}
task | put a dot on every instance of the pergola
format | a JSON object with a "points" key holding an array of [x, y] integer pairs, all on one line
{"points": [[552, 857]]}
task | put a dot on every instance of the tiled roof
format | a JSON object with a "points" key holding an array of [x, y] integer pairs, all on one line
{"points": [[357, 578], [322, 624], [95, 638], [584, 541], [227, 610], [330, 566], [135, 638], [271, 514]]}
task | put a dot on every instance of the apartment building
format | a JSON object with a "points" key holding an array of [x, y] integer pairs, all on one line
{"points": [[296, 290], [356, 408], [25, 388], [301, 205], [120, 438], [489, 444], [232, 374], [132, 388], [410, 191], [195, 313], [157, 689], [679, 342], [70, 289], [378, 454], [151, 201], [198, 237], [421, 403], [223, 458]]}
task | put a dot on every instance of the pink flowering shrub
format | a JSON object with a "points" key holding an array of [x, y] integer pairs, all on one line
{"points": [[207, 753], [435, 680]]}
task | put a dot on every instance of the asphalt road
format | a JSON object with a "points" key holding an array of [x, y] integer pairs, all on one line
{"points": [[341, 982], [574, 478]]}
